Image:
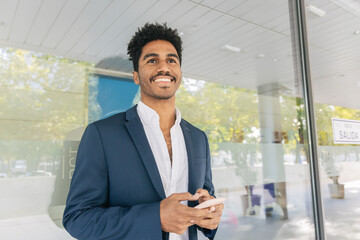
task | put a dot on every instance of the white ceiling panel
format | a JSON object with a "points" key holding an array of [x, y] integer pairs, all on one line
{"points": [[119, 44], [248, 38], [272, 24], [261, 14], [212, 3], [284, 29], [194, 42], [24, 17], [228, 5], [317, 3], [187, 20], [98, 32], [117, 27], [222, 36], [44, 20], [112, 13], [88, 16], [176, 12], [201, 20], [196, 36], [328, 6], [68, 15], [7, 15], [205, 57], [245, 7], [332, 19]]}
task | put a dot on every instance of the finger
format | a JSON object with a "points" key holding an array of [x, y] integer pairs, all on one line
{"points": [[189, 214], [208, 223], [202, 193], [218, 207], [195, 214], [184, 197], [213, 214]]}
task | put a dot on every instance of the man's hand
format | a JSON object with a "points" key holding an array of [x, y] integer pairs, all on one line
{"points": [[176, 217], [213, 219]]}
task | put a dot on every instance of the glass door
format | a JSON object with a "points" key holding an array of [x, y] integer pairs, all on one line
{"points": [[334, 45]]}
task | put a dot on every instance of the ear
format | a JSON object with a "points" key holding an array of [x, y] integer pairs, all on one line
{"points": [[136, 77]]}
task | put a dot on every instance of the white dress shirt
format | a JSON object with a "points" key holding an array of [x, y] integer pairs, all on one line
{"points": [[174, 178]]}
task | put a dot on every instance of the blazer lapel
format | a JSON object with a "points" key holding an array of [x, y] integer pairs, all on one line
{"points": [[191, 163], [137, 133]]}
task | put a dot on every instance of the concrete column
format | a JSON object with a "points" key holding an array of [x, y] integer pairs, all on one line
{"points": [[272, 149]]}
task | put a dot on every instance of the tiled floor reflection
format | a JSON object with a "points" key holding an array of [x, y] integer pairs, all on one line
{"points": [[342, 222], [342, 216], [39, 227], [341, 219]]}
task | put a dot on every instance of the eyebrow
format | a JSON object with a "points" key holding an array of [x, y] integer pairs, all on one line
{"points": [[173, 55], [150, 55], [157, 55]]}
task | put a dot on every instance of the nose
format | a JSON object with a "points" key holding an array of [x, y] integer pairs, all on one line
{"points": [[163, 67]]}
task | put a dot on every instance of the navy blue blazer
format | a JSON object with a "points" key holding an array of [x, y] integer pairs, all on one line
{"points": [[116, 188]]}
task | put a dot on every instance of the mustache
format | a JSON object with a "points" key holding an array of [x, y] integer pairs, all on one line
{"points": [[162, 74]]}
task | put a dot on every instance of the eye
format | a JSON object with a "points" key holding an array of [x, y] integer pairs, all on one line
{"points": [[172, 60], [152, 61]]}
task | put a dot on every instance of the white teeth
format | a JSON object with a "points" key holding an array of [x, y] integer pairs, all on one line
{"points": [[162, 80]]}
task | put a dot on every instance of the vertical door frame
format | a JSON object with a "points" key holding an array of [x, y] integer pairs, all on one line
{"points": [[303, 78]]}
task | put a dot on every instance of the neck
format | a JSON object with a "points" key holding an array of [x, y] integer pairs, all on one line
{"points": [[165, 109]]}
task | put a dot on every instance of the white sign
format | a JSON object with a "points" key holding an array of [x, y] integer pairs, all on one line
{"points": [[346, 131]]}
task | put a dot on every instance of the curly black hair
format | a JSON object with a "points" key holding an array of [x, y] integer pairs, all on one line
{"points": [[151, 32]]}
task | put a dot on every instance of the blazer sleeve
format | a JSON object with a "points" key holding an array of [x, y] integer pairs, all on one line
{"points": [[208, 185], [87, 215]]}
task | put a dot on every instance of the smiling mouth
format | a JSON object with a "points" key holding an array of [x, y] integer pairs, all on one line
{"points": [[166, 80]]}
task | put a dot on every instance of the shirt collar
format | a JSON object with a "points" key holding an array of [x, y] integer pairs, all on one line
{"points": [[150, 116], [178, 116]]}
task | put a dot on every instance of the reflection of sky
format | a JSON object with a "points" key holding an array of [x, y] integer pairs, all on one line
{"points": [[3, 54], [192, 85]]}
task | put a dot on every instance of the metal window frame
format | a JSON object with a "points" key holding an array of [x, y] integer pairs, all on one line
{"points": [[303, 78]]}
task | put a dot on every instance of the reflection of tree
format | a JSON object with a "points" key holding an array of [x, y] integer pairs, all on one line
{"points": [[243, 159], [40, 155], [42, 97], [94, 109], [230, 114], [328, 162], [225, 113]]}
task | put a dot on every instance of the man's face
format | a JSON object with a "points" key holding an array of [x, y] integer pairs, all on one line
{"points": [[159, 73]]}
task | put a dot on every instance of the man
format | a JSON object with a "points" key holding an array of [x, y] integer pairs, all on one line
{"points": [[136, 171]]}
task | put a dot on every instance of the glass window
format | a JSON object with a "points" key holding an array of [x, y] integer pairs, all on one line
{"points": [[43, 102], [334, 38], [239, 86], [46, 102], [251, 107]]}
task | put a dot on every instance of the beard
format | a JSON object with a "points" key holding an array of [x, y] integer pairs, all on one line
{"points": [[158, 96]]}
